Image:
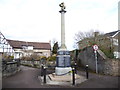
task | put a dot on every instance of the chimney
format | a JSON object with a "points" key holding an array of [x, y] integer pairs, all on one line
{"points": [[96, 34]]}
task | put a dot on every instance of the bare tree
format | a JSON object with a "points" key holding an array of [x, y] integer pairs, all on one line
{"points": [[83, 35], [85, 39]]}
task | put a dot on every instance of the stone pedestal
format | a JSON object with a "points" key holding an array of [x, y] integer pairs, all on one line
{"points": [[62, 71], [63, 63]]}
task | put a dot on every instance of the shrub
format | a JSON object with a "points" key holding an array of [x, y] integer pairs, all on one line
{"points": [[7, 57], [108, 51], [35, 65], [51, 58], [33, 57], [43, 57]]}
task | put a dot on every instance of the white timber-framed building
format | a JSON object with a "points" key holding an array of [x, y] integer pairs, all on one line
{"points": [[24, 48]]}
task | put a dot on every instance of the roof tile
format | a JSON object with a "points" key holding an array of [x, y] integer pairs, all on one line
{"points": [[36, 45]]}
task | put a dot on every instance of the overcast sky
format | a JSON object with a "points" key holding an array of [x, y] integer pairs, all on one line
{"points": [[39, 20]]}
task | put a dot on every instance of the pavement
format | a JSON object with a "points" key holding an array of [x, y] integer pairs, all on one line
{"points": [[30, 78], [0, 80], [64, 80]]}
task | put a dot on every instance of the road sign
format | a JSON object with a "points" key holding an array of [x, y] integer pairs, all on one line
{"points": [[95, 47]]}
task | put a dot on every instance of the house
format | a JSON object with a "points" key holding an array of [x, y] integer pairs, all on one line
{"points": [[111, 39], [23, 48], [115, 41], [5, 47]]}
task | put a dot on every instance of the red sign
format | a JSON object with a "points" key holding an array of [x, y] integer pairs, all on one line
{"points": [[95, 47]]}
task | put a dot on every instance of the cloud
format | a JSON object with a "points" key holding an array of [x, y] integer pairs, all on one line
{"points": [[39, 20]]}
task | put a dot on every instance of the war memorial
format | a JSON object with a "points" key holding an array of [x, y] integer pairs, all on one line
{"points": [[63, 71]]}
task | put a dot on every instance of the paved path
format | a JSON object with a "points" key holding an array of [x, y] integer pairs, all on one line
{"points": [[99, 81], [28, 78]]}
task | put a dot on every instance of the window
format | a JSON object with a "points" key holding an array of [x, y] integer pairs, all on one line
{"points": [[30, 47], [27, 47], [115, 42], [24, 47]]}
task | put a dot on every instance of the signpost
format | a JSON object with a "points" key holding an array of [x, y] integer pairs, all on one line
{"points": [[95, 47]]}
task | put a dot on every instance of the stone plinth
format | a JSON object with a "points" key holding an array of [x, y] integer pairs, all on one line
{"points": [[62, 71], [64, 80], [63, 63]]}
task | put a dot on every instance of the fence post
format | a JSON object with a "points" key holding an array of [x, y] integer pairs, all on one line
{"points": [[73, 76]]}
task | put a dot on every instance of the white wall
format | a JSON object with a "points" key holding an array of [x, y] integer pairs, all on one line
{"points": [[40, 52], [117, 54]]}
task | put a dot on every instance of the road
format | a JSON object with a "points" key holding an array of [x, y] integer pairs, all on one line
{"points": [[28, 78]]}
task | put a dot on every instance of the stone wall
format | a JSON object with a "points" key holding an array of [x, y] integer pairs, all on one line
{"points": [[10, 68], [111, 67], [38, 64], [30, 63], [105, 65]]}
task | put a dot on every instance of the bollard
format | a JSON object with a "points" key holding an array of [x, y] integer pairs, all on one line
{"points": [[42, 70], [44, 74], [18, 63], [75, 68], [86, 71], [73, 76]]}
